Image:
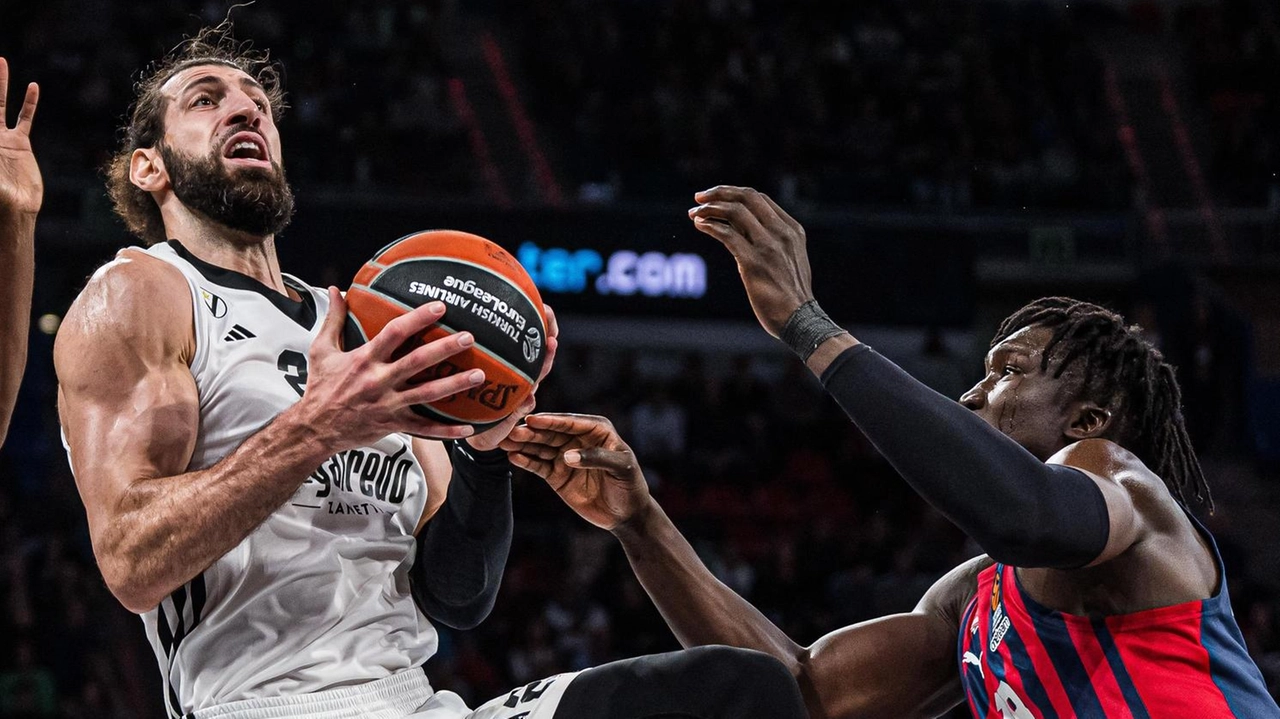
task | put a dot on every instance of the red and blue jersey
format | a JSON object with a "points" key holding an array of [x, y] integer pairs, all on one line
{"points": [[1021, 660]]}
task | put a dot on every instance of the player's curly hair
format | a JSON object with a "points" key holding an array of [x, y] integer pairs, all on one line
{"points": [[1124, 372], [145, 128]]}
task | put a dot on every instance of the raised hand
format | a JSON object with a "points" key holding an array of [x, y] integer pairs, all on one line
{"points": [[21, 187], [584, 460], [492, 437], [767, 243]]}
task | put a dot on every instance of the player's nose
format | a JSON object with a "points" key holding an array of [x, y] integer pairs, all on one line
{"points": [[244, 110], [975, 399]]}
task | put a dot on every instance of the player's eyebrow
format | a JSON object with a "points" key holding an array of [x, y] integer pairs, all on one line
{"points": [[213, 80]]}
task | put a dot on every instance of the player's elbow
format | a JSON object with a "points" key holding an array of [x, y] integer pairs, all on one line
{"points": [[128, 583]]}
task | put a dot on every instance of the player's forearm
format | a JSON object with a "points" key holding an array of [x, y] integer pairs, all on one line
{"points": [[699, 608], [169, 529], [17, 268], [1019, 510]]}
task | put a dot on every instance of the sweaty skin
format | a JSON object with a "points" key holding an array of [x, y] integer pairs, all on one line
{"points": [[21, 193]]}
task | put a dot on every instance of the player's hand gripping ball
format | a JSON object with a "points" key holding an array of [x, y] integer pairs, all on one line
{"points": [[485, 291]]}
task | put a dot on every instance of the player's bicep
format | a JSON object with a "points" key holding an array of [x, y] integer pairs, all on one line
{"points": [[897, 666], [128, 403], [902, 665]]}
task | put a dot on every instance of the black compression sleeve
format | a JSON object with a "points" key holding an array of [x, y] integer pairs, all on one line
{"points": [[463, 549], [1020, 510]]}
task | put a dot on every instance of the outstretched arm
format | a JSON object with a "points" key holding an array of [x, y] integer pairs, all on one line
{"points": [[21, 192], [1019, 509], [896, 666]]}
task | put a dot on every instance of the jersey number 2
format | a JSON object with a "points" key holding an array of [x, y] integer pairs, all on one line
{"points": [[294, 366]]}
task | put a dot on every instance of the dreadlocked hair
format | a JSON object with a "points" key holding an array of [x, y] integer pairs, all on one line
{"points": [[1124, 372]]}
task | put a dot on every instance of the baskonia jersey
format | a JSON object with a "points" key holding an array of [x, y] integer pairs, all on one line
{"points": [[317, 596], [1022, 660]]}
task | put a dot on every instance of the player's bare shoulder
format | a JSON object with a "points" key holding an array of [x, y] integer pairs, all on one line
{"points": [[135, 300], [1111, 463]]}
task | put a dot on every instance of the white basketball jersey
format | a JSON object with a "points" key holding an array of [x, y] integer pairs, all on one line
{"points": [[317, 596]]}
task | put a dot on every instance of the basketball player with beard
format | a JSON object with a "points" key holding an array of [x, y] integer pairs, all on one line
{"points": [[268, 502], [21, 191]]}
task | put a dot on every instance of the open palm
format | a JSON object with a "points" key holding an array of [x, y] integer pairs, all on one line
{"points": [[21, 188]]}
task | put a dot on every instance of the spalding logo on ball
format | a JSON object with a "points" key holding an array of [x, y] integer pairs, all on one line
{"points": [[485, 291]]}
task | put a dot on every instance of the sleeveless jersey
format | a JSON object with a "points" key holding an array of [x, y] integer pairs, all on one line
{"points": [[317, 596], [1022, 660]]}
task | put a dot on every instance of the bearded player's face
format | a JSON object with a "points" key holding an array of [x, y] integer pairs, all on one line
{"points": [[221, 150]]}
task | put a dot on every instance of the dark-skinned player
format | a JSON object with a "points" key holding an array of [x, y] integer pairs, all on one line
{"points": [[1100, 594]]}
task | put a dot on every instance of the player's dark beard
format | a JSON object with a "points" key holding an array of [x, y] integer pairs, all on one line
{"points": [[248, 199]]}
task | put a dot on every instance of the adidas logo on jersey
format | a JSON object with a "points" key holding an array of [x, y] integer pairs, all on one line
{"points": [[238, 333]]}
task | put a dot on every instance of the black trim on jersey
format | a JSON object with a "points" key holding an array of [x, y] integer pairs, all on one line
{"points": [[304, 312]]}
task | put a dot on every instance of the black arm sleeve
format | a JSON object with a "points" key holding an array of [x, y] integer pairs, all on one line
{"points": [[1020, 510], [463, 549]]}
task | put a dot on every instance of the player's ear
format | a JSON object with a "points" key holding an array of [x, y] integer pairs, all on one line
{"points": [[146, 170], [1088, 420]]}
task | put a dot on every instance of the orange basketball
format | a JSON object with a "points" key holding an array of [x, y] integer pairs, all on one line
{"points": [[485, 291]]}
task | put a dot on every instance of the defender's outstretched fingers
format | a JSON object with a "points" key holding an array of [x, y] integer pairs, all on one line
{"points": [[573, 424], [398, 331], [783, 215], [533, 449], [551, 438], [611, 460], [540, 467], [727, 234]]}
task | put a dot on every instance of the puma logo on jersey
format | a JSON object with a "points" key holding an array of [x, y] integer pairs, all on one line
{"points": [[216, 304], [238, 333], [974, 659]]}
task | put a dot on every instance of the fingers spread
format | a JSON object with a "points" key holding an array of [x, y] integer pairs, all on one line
{"points": [[4, 90], [424, 357], [437, 389], [399, 330], [540, 467], [28, 111]]}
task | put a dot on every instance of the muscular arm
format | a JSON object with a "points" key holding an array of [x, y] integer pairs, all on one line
{"points": [[17, 260], [130, 411], [1019, 509], [896, 666]]}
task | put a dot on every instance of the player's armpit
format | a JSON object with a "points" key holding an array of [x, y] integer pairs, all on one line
{"points": [[901, 666]]}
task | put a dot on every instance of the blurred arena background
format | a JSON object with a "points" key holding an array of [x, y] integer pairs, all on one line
{"points": [[951, 160]]}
